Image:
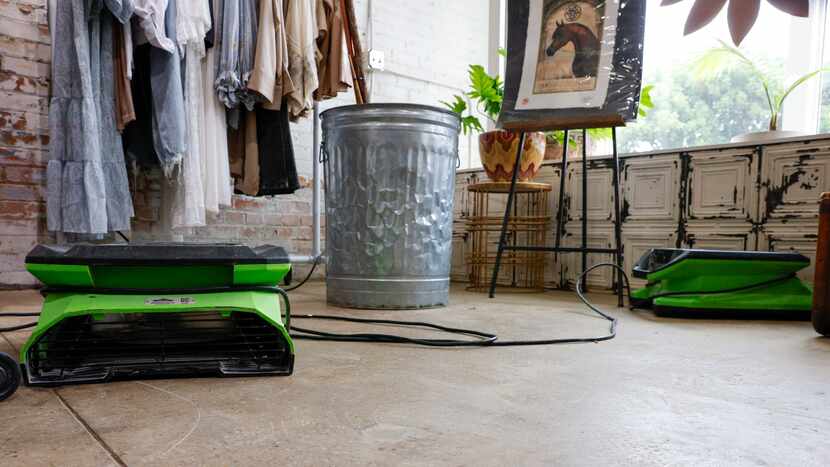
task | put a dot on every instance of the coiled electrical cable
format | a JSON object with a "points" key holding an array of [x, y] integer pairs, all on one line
{"points": [[20, 326], [484, 339]]}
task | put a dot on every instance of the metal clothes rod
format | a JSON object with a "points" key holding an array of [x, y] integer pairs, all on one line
{"points": [[316, 187]]}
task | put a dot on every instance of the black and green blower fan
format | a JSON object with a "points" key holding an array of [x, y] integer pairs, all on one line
{"points": [[723, 284], [157, 310]]}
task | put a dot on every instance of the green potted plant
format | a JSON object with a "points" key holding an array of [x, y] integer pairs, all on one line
{"points": [[716, 60], [497, 148], [555, 139]]}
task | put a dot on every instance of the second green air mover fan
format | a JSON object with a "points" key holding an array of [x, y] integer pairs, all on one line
{"points": [[715, 283], [135, 311]]}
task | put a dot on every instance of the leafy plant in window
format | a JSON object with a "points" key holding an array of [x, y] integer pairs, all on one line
{"points": [[557, 138], [486, 92], [712, 63], [497, 148]]}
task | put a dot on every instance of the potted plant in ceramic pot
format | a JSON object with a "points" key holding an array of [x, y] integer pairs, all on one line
{"points": [[555, 139], [714, 61], [497, 148]]}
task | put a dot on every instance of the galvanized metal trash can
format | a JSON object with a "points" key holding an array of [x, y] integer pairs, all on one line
{"points": [[389, 181]]}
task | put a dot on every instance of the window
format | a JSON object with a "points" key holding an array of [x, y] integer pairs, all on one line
{"points": [[824, 116], [690, 111]]}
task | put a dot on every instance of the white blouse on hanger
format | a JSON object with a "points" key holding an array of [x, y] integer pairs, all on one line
{"points": [[216, 171], [151, 15], [192, 24]]}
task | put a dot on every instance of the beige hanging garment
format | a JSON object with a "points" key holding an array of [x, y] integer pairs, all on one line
{"points": [[124, 107], [332, 61], [301, 31], [270, 77]]}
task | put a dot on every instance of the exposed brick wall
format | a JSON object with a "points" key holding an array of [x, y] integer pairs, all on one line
{"points": [[280, 220], [25, 54], [422, 69], [24, 86]]}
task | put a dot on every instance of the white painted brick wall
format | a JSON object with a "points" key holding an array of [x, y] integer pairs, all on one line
{"points": [[428, 45]]}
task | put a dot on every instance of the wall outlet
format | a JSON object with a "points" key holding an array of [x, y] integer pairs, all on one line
{"points": [[376, 60]]}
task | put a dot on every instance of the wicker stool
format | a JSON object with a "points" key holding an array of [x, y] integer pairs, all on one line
{"points": [[528, 226]]}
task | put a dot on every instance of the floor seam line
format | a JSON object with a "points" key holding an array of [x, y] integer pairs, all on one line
{"points": [[78, 418], [91, 431], [8, 341]]}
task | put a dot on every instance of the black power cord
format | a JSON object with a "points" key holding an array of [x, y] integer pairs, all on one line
{"points": [[307, 277], [483, 339], [20, 326], [311, 334], [486, 339], [741, 288], [612, 329]]}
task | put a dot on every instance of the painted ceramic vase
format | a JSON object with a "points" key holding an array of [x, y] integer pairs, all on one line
{"points": [[498, 154]]}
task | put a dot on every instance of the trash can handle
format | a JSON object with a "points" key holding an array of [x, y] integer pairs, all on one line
{"points": [[323, 156]]}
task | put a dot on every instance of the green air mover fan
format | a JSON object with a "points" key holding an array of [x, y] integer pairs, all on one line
{"points": [[714, 283], [157, 310]]}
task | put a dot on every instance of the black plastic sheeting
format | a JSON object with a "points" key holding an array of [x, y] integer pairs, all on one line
{"points": [[625, 77]]}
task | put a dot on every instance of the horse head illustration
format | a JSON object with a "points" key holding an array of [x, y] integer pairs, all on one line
{"points": [[586, 47]]}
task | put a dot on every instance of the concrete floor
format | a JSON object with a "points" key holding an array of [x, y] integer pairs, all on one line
{"points": [[664, 392]]}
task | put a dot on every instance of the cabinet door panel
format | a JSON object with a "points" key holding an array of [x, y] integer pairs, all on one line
{"points": [[721, 186], [793, 176], [651, 189]]}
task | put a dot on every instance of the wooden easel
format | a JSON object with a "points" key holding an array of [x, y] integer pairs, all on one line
{"points": [[355, 50], [567, 124]]}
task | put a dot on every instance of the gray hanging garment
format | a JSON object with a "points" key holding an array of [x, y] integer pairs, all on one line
{"points": [[159, 101], [87, 187], [169, 124], [236, 59]]}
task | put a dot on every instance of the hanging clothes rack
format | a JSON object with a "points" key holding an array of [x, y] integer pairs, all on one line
{"points": [[354, 50]]}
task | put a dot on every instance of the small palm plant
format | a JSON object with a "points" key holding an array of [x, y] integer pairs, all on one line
{"points": [[486, 92], [599, 134], [717, 60]]}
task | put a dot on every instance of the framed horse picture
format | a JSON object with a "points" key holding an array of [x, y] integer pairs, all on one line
{"points": [[572, 63]]}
